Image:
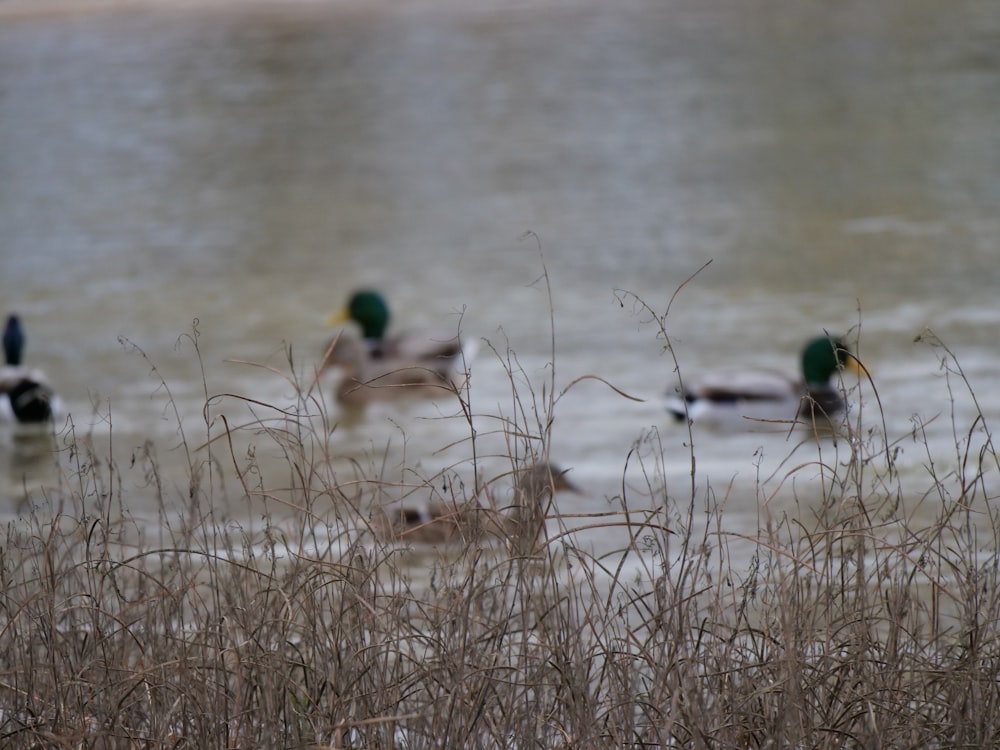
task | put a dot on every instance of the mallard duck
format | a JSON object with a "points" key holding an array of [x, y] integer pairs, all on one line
{"points": [[25, 394], [441, 522], [381, 367], [753, 399]]}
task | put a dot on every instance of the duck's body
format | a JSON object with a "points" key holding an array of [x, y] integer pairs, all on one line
{"points": [[26, 397], [368, 377], [442, 522], [768, 400], [381, 367]]}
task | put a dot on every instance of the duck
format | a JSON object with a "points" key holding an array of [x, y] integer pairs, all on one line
{"points": [[380, 367], [26, 397], [755, 400], [441, 522]]}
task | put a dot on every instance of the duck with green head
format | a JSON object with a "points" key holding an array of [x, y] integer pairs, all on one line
{"points": [[26, 397], [756, 400], [381, 366]]}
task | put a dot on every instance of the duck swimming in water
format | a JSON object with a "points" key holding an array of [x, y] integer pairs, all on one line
{"points": [[380, 366], [751, 399], [26, 397], [441, 522]]}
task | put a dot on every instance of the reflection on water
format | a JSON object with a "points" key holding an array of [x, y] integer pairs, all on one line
{"points": [[247, 168], [29, 463]]}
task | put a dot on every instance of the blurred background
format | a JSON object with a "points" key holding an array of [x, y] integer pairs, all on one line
{"points": [[246, 165]]}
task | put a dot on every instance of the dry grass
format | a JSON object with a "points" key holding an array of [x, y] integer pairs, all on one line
{"points": [[852, 627]]}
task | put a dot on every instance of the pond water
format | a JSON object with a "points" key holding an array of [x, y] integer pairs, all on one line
{"points": [[245, 166]]}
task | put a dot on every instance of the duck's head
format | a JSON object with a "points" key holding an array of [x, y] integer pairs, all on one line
{"points": [[13, 341], [368, 309], [823, 356]]}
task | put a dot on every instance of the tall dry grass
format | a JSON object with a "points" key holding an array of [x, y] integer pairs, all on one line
{"points": [[853, 626]]}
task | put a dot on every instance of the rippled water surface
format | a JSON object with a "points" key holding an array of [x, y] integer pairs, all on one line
{"points": [[835, 165]]}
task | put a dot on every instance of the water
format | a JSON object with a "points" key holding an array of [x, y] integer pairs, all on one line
{"points": [[836, 166]]}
